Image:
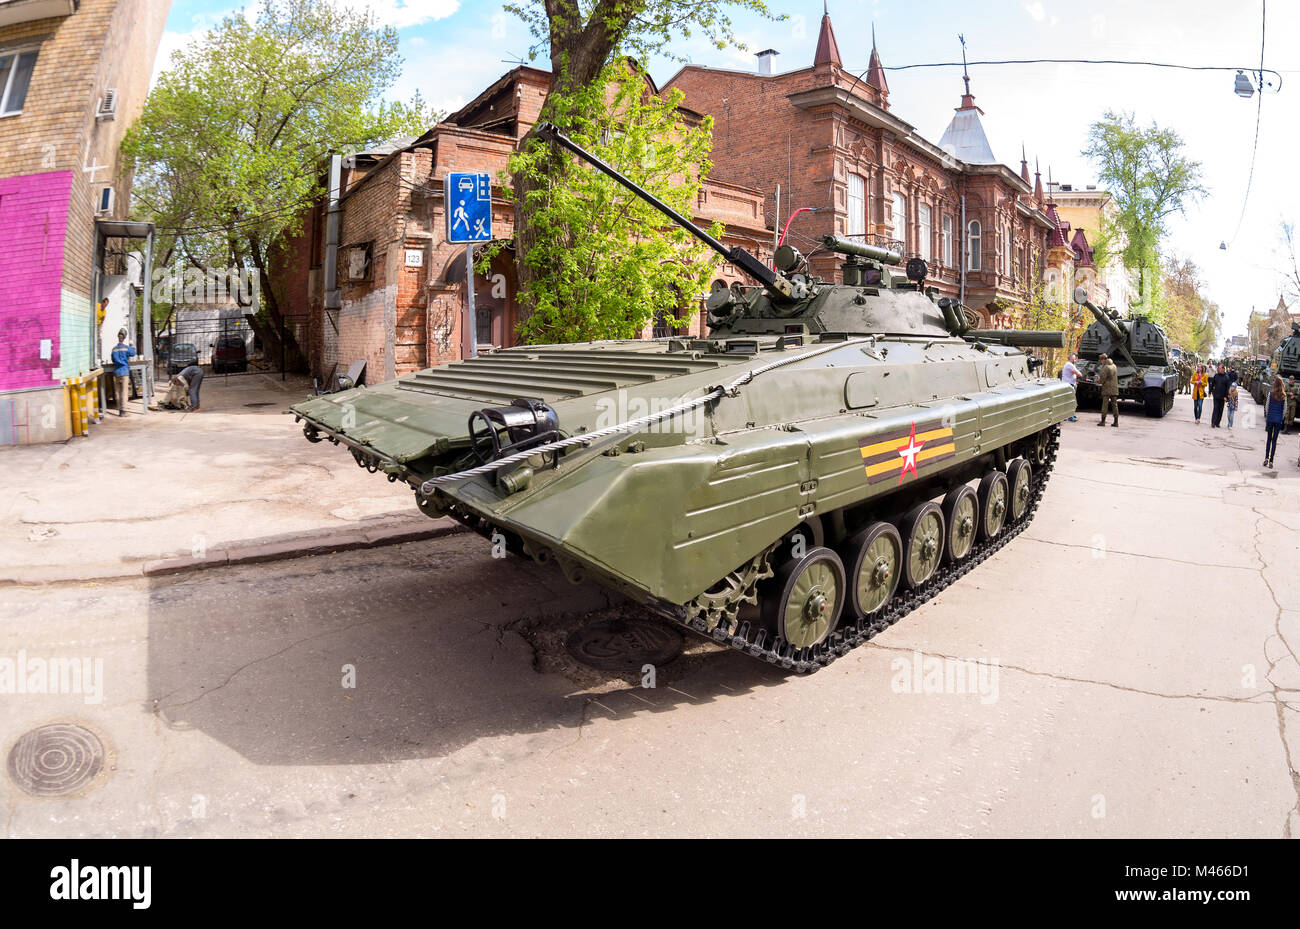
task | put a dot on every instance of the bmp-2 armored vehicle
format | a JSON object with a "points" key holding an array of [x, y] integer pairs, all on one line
{"points": [[1140, 350], [829, 457]]}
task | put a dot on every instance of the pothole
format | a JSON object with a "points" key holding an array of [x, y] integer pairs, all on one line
{"points": [[56, 760]]}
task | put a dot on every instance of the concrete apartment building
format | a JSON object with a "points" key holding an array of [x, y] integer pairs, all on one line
{"points": [[400, 297], [74, 75], [829, 138]]}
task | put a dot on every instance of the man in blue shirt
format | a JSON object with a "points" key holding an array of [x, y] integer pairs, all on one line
{"points": [[122, 355]]}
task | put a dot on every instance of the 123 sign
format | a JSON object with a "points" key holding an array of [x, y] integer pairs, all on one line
{"points": [[468, 202]]}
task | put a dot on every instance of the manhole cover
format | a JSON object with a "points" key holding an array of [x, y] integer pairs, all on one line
{"points": [[55, 760], [261, 403], [624, 644]]}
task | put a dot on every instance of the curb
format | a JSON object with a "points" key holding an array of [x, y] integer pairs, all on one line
{"points": [[262, 553]]}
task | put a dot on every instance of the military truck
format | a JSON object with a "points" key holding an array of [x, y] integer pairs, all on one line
{"points": [[826, 459], [1140, 350]]}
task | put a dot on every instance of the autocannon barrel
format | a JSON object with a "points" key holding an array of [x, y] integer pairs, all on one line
{"points": [[1027, 338], [861, 250], [778, 285]]}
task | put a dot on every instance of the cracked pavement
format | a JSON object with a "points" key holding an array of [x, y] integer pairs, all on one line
{"points": [[1145, 633]]}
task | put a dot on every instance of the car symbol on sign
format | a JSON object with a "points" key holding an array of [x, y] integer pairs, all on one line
{"points": [[466, 183]]}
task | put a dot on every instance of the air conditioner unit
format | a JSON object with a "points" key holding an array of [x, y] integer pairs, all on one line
{"points": [[107, 199], [107, 105]]}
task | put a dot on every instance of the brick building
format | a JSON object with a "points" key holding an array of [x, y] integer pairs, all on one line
{"points": [[831, 141], [399, 302], [1082, 214], [74, 75]]}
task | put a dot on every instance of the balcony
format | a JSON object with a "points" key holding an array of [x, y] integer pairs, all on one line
{"points": [[13, 12]]}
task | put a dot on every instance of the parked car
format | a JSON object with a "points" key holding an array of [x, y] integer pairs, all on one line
{"points": [[182, 355], [229, 353]]}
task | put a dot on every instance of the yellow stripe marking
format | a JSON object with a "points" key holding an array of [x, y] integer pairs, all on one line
{"points": [[884, 467], [891, 445]]}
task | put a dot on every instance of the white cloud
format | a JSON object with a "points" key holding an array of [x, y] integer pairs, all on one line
{"points": [[1036, 11], [403, 14]]}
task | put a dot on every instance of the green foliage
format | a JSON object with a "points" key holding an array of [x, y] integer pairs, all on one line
{"points": [[640, 28], [1151, 179], [603, 262], [1191, 320], [228, 152]]}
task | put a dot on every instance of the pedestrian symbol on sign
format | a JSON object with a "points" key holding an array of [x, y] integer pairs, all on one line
{"points": [[469, 207]]}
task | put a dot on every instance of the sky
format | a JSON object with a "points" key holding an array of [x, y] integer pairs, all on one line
{"points": [[452, 49]]}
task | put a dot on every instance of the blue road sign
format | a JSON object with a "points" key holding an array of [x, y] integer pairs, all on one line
{"points": [[468, 200]]}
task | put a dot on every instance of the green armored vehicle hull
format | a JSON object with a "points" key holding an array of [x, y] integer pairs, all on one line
{"points": [[823, 462], [1140, 350]]}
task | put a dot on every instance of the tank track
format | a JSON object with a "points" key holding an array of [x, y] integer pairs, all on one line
{"points": [[755, 641]]}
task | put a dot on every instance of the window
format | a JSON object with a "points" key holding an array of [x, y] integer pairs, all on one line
{"points": [[857, 206], [923, 220], [947, 242], [15, 77], [900, 219], [973, 246]]}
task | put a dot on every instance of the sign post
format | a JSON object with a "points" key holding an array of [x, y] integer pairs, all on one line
{"points": [[467, 201]]}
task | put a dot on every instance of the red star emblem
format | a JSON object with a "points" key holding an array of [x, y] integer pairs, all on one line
{"points": [[907, 451]]}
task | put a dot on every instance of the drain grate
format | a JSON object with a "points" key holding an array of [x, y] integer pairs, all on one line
{"points": [[261, 403], [55, 760], [624, 644]]}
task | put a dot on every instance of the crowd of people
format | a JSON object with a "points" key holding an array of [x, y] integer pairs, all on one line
{"points": [[1220, 387]]}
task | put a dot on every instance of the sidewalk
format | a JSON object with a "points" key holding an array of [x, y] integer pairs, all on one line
{"points": [[166, 491]]}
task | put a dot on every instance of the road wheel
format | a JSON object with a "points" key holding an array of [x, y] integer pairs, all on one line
{"points": [[1153, 399], [994, 495], [961, 509], [804, 600], [922, 543], [876, 557], [1018, 475]]}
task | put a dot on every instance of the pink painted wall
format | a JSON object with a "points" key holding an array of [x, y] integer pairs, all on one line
{"points": [[33, 225]]}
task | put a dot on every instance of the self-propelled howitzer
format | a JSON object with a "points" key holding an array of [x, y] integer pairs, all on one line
{"points": [[825, 459], [1140, 350]]}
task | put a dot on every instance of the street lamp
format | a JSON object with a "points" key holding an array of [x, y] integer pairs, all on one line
{"points": [[1242, 85]]}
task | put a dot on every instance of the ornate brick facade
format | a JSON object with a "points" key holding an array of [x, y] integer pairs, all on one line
{"points": [[831, 141]]}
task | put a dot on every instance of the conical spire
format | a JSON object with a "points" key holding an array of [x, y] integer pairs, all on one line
{"points": [[1024, 164], [964, 138], [876, 70], [828, 50], [1038, 185]]}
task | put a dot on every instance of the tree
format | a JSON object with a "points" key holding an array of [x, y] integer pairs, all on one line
{"points": [[583, 38], [1291, 267], [612, 262], [228, 151], [1191, 320], [1151, 179]]}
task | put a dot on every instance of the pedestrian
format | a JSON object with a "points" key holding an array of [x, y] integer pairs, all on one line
{"points": [[194, 377], [122, 354], [1232, 404], [1199, 381], [1273, 421], [1109, 389], [1219, 385], [1070, 374]]}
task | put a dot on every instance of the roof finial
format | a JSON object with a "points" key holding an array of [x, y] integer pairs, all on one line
{"points": [[965, 74]]}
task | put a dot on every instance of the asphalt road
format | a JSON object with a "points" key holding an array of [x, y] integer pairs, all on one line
{"points": [[1136, 674]]}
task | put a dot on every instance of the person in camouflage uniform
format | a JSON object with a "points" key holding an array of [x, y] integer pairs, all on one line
{"points": [[1109, 376]]}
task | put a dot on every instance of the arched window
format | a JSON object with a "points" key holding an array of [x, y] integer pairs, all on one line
{"points": [[900, 219], [973, 245]]}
